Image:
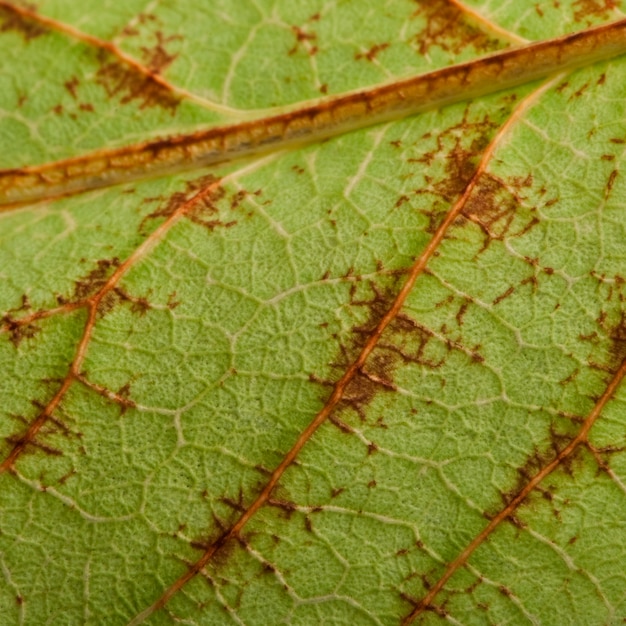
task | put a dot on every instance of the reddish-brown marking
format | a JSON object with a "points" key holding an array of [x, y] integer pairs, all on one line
{"points": [[594, 8], [121, 397], [71, 85], [504, 295], [314, 122], [92, 302], [24, 327], [157, 59], [354, 369], [444, 19], [372, 53], [119, 74], [304, 40], [15, 21], [507, 512]]}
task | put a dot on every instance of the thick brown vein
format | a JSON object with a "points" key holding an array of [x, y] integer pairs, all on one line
{"points": [[91, 304], [426, 603], [354, 368], [312, 122]]}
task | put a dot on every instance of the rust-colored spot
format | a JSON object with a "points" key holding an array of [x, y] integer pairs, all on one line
{"points": [[19, 328], [304, 40], [71, 85], [579, 92], [95, 279], [611, 181], [494, 207], [372, 53], [447, 28], [401, 200], [12, 21], [123, 81], [157, 58], [510, 291], [178, 199], [469, 139], [594, 8]]}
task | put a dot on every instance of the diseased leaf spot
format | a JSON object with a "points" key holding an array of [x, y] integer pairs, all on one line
{"points": [[12, 21], [447, 28], [372, 53], [71, 85], [307, 41], [19, 329], [157, 58], [95, 279], [494, 207], [602, 9], [129, 85]]}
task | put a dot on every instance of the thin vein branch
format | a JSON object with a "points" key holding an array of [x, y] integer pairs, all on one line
{"points": [[353, 369], [426, 603]]}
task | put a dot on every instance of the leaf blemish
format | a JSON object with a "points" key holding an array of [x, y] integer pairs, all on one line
{"points": [[14, 21]]}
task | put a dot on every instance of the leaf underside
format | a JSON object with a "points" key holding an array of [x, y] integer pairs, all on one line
{"points": [[372, 380]]}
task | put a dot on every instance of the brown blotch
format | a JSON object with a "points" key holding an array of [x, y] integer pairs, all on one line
{"points": [[172, 303], [130, 85], [447, 28], [157, 58], [579, 92], [594, 8], [138, 304], [304, 40], [404, 341], [372, 53], [494, 207], [509, 292], [71, 85], [178, 199], [611, 181], [16, 328], [288, 508], [95, 280], [15, 22], [539, 459]]}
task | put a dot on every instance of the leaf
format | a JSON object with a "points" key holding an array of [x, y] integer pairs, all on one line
{"points": [[370, 380]]}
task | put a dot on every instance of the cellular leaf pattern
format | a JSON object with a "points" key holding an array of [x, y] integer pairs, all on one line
{"points": [[370, 378]]}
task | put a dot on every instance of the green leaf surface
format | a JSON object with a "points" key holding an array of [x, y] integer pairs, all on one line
{"points": [[371, 380]]}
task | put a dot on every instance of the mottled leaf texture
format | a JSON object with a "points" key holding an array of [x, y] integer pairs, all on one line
{"points": [[374, 378]]}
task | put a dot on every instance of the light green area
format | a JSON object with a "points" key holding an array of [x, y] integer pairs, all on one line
{"points": [[223, 336], [539, 20]]}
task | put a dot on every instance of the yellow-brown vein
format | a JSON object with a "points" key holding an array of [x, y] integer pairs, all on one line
{"points": [[426, 603], [28, 438], [353, 369], [313, 122]]}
